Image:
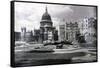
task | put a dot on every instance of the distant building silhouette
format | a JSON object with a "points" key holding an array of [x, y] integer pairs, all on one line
{"points": [[36, 35], [17, 36], [26, 35]]}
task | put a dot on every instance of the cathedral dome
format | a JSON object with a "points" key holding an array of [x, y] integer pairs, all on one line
{"points": [[46, 16]]}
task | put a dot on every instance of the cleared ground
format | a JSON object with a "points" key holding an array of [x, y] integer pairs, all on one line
{"points": [[25, 57]]}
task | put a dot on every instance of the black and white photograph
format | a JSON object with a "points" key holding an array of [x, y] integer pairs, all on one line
{"points": [[53, 33]]}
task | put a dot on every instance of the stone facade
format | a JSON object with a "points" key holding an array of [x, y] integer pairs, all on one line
{"points": [[69, 31], [87, 28]]}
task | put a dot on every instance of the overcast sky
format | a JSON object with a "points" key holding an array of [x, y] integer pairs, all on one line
{"points": [[29, 14]]}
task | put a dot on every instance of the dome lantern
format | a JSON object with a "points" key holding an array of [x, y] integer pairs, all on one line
{"points": [[46, 16]]}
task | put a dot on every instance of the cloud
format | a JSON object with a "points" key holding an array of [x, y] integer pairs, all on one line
{"points": [[29, 14]]}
